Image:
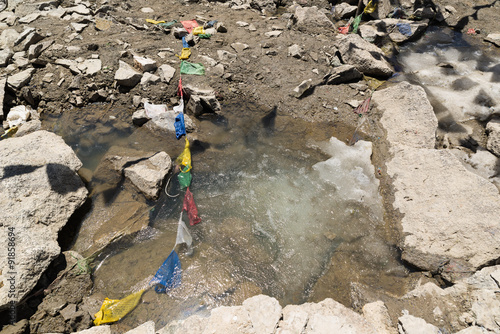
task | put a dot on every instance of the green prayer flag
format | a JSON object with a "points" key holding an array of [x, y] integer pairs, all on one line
{"points": [[192, 68], [356, 23], [167, 24]]}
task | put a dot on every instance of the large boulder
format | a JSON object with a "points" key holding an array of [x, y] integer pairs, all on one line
{"points": [[366, 57], [450, 220], [40, 191], [311, 19]]}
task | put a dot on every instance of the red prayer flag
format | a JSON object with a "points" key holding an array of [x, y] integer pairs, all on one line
{"points": [[363, 107], [190, 208], [344, 30], [189, 25]]}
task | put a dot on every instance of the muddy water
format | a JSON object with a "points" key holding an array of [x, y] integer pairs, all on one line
{"points": [[284, 209]]}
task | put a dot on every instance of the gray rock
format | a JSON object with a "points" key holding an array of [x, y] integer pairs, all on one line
{"points": [[8, 38], [102, 329], [302, 88], [264, 312], [239, 47], [79, 9], [166, 73], [274, 33], [165, 121], [407, 116], [19, 327], [145, 328], [295, 51], [22, 36], [17, 81], [225, 55], [311, 19], [265, 6], [409, 324], [29, 127], [27, 7], [294, 320], [218, 70], [493, 130], [201, 101], [342, 74], [226, 319], [32, 38], [127, 76], [192, 325], [384, 7], [486, 308], [41, 190], [79, 27], [5, 56], [366, 57], [149, 78], [344, 10], [29, 18]]}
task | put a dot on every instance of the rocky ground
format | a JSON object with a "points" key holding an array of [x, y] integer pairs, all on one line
{"points": [[60, 55]]}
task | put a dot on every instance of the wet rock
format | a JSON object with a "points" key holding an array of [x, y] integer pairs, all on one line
{"points": [[377, 314], [17, 81], [366, 57], [342, 74], [391, 27], [145, 328], [264, 312], [493, 130], [407, 116], [148, 175], [41, 190], [302, 88], [409, 324], [127, 76], [145, 64], [166, 73], [311, 19], [5, 55]]}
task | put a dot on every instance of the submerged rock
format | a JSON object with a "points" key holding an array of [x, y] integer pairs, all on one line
{"points": [[40, 191]]}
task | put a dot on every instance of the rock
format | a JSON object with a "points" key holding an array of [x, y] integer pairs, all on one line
{"points": [[486, 308], [17, 81], [302, 88], [384, 7], [422, 179], [265, 6], [79, 26], [366, 57], [493, 130], [166, 73], [29, 18], [145, 328], [389, 27], [225, 55], [209, 61], [127, 76], [79, 9], [140, 117], [409, 324], [18, 115], [102, 329], [241, 24], [145, 64], [29, 127], [407, 116], [344, 10], [274, 33], [148, 175], [179, 32], [40, 191], [102, 24], [32, 38], [376, 313], [218, 70], [5, 56], [342, 74], [493, 38], [311, 19], [92, 66], [8, 38], [295, 51], [264, 312], [165, 121], [294, 320], [194, 324], [201, 101], [149, 78], [226, 319], [19, 327], [239, 47], [483, 163]]}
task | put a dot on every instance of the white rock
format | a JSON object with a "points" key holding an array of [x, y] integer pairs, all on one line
{"points": [[229, 320], [493, 130], [103, 329], [5, 56], [274, 33], [79, 26], [145, 328], [8, 38], [147, 10], [264, 312], [295, 51], [149, 78], [311, 19], [493, 38], [29, 18], [409, 324], [376, 313], [241, 24], [208, 60], [302, 88]]}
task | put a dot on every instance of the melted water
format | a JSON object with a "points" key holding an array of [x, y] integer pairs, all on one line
{"points": [[281, 202]]}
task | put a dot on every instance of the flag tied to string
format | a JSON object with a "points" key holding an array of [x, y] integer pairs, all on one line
{"points": [[363, 107], [190, 208]]}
